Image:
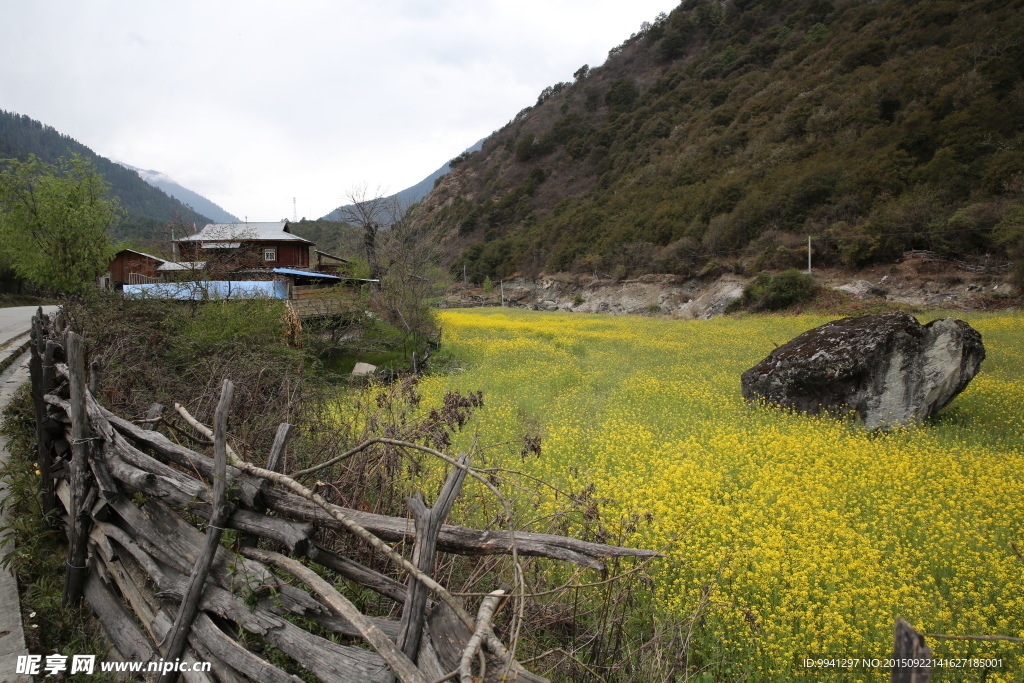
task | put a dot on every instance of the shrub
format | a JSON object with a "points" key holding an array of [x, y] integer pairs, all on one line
{"points": [[769, 292], [622, 93]]}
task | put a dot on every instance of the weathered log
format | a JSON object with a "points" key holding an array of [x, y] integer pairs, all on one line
{"points": [[284, 432], [176, 488], [324, 658], [144, 473], [349, 525], [364, 576], [453, 539], [206, 634], [249, 487], [428, 525], [221, 510], [94, 376], [78, 476], [155, 411], [910, 653], [161, 627], [329, 620], [117, 622], [144, 605], [458, 539], [401, 665], [106, 484]]}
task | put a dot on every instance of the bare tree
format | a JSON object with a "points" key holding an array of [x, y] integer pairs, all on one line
{"points": [[371, 211]]}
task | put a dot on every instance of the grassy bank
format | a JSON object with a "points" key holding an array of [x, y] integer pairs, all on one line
{"points": [[789, 536]]}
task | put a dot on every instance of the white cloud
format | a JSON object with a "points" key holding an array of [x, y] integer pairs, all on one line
{"points": [[252, 103]]}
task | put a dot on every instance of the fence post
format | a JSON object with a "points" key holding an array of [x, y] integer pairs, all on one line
{"points": [[909, 645], [78, 473]]}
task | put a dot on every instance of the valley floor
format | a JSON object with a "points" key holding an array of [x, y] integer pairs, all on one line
{"points": [[787, 536]]}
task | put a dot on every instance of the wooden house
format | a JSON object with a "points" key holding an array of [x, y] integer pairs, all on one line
{"points": [[133, 267], [230, 246]]}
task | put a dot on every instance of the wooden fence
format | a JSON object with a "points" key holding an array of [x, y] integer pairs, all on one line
{"points": [[165, 590]]}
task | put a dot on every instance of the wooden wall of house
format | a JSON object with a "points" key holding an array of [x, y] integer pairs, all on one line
{"points": [[290, 254], [127, 262]]}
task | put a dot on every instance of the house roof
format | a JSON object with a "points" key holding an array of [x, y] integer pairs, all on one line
{"points": [[141, 253], [183, 265], [332, 256], [249, 232], [306, 273]]}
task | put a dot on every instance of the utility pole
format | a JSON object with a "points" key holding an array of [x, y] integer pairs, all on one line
{"points": [[464, 281], [808, 254], [501, 284]]}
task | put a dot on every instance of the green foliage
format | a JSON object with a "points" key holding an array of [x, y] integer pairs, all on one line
{"points": [[220, 326], [769, 292], [1010, 233], [622, 93], [53, 222], [147, 208]]}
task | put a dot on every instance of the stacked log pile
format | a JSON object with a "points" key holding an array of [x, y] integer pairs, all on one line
{"points": [[166, 590]]}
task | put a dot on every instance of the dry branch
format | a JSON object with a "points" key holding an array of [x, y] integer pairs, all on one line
{"points": [[483, 625]]}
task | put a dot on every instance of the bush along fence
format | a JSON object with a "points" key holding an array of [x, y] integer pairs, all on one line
{"points": [[166, 591]]}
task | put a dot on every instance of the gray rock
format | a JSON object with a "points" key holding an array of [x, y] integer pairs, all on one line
{"points": [[889, 368], [363, 369], [862, 289]]}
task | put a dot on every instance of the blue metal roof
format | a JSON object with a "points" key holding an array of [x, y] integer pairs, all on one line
{"points": [[305, 273]]}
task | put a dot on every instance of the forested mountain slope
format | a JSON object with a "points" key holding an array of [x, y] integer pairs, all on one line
{"points": [[148, 208], [730, 131], [190, 198]]}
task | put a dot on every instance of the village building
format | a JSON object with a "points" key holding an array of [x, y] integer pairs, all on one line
{"points": [[233, 246], [132, 267], [242, 260]]}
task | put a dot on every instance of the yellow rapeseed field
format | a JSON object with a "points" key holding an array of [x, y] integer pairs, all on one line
{"points": [[809, 536]]}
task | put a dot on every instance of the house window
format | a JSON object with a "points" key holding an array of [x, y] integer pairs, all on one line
{"points": [[270, 253]]}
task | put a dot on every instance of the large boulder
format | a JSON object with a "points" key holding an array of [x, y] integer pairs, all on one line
{"points": [[889, 368]]}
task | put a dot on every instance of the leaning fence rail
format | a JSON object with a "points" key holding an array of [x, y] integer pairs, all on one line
{"points": [[164, 589]]}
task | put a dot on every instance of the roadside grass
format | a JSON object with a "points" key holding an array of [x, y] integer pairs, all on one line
{"points": [[39, 553], [788, 536], [12, 300]]}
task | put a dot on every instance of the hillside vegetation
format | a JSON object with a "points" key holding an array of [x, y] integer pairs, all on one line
{"points": [[730, 131], [148, 209]]}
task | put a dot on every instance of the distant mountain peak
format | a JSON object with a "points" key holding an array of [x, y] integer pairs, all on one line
{"points": [[184, 195], [411, 195]]}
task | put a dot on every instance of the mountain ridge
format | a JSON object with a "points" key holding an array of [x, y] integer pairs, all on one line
{"points": [[148, 208], [414, 193], [723, 135], [188, 197]]}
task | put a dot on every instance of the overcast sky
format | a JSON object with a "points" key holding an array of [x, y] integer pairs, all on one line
{"points": [[253, 103]]}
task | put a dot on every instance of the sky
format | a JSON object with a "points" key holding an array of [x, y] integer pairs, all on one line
{"points": [[252, 104]]}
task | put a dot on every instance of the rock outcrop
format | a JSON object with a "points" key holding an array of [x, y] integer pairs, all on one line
{"points": [[715, 299], [889, 368]]}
